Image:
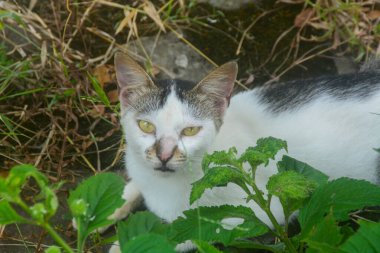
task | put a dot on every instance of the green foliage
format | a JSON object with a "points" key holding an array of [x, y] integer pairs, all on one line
{"points": [[91, 204], [365, 240], [94, 201], [223, 224], [323, 206], [340, 197], [144, 232]]}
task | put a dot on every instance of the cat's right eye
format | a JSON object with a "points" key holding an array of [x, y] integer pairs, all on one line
{"points": [[146, 126]]}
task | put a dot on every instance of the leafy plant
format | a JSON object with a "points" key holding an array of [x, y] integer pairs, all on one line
{"points": [[324, 207], [91, 204]]}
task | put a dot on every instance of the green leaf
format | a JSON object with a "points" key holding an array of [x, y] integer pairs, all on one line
{"points": [[266, 149], [325, 237], [149, 243], [17, 178], [292, 189], [216, 177], [205, 247], [139, 227], [139, 224], [366, 239], [11, 15], [339, 196], [290, 185], [53, 249], [288, 163], [99, 91], [19, 175], [217, 224], [102, 196], [220, 158], [8, 215]]}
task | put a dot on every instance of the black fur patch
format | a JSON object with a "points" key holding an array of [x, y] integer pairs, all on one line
{"points": [[156, 98], [291, 95]]}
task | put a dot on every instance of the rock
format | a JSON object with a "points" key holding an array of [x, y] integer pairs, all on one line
{"points": [[229, 4], [171, 56]]}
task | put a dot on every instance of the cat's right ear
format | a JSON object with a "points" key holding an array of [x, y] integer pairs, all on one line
{"points": [[131, 78]]}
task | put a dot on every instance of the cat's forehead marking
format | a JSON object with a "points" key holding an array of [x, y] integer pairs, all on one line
{"points": [[173, 113]]}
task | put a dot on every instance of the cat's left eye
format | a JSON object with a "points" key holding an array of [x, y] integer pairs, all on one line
{"points": [[190, 131]]}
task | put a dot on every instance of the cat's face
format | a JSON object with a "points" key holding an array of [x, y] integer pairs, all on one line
{"points": [[170, 124]]}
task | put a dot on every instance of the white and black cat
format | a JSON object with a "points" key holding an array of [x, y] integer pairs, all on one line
{"points": [[329, 122]]}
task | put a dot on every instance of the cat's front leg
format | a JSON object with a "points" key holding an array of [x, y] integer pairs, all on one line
{"points": [[133, 198]]}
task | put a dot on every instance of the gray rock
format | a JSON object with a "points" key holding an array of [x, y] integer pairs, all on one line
{"points": [[229, 4], [171, 56]]}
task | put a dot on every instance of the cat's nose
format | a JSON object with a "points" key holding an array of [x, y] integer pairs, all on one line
{"points": [[165, 149]]}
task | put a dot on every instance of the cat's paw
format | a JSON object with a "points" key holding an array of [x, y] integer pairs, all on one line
{"points": [[185, 246], [115, 248], [99, 230]]}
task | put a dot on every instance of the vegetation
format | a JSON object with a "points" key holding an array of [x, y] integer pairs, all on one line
{"points": [[324, 206], [58, 97]]}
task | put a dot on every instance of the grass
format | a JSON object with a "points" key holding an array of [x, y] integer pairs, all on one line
{"points": [[57, 113]]}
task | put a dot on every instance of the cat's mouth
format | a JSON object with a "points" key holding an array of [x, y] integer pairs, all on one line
{"points": [[164, 169]]}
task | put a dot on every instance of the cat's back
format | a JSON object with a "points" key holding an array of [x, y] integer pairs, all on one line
{"points": [[293, 95], [333, 123]]}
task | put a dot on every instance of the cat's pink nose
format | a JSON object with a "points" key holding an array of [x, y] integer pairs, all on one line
{"points": [[166, 148]]}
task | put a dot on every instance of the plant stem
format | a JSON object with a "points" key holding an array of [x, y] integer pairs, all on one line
{"points": [[57, 238], [263, 204]]}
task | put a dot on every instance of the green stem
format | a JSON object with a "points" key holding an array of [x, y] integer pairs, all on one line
{"points": [[57, 238], [280, 232]]}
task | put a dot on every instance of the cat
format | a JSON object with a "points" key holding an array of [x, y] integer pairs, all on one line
{"points": [[329, 122]]}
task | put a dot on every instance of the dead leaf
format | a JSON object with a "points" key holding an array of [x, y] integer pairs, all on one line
{"points": [[303, 17], [374, 14], [126, 22], [4, 173], [151, 11], [113, 96], [43, 54], [97, 111], [104, 74]]}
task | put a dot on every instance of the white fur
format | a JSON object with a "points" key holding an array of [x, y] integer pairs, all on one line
{"points": [[335, 136]]}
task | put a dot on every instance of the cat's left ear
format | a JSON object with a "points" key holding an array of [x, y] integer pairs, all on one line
{"points": [[220, 82]]}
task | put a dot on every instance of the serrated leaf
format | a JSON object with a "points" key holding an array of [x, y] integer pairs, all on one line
{"points": [[290, 185], [102, 194], [8, 215], [216, 177], [292, 189], [265, 150], [366, 239], [139, 224], [220, 158], [218, 224], [288, 163], [325, 237], [149, 243], [340, 197]]}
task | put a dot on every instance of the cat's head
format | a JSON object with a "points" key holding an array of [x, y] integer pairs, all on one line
{"points": [[169, 124]]}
